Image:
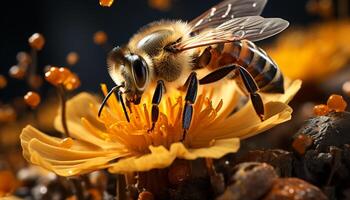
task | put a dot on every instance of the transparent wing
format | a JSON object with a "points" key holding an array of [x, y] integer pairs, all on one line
{"points": [[225, 11], [253, 28]]}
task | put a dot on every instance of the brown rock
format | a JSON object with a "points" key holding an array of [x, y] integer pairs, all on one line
{"points": [[249, 182], [294, 189]]}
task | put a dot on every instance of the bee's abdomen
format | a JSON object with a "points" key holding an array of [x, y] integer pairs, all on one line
{"points": [[258, 63]]}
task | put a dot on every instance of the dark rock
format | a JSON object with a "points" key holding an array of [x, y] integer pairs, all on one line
{"points": [[330, 130]]}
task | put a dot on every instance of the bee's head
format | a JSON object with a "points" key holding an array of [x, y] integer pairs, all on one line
{"points": [[131, 70]]}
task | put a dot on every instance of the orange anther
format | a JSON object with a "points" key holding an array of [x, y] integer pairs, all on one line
{"points": [[36, 41], [17, 72], [67, 142], [54, 76], [32, 99], [72, 82]]}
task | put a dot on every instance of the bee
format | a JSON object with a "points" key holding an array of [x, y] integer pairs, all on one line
{"points": [[168, 53]]}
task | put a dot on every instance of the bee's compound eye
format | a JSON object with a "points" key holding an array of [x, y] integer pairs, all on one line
{"points": [[140, 72]]}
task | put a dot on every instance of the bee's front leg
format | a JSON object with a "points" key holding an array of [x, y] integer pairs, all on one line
{"points": [[157, 97], [190, 98]]}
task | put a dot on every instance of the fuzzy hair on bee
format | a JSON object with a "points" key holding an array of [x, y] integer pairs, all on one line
{"points": [[152, 40]]}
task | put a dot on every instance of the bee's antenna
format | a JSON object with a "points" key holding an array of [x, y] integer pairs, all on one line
{"points": [[107, 97]]}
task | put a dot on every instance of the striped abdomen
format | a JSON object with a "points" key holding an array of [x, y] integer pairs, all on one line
{"points": [[265, 72], [246, 54]]}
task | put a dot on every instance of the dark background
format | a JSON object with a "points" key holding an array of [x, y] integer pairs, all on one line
{"points": [[69, 25]]}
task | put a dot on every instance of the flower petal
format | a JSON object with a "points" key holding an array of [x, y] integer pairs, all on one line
{"points": [[82, 157], [160, 157], [77, 108], [245, 123]]}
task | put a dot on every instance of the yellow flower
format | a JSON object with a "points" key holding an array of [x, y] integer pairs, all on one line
{"points": [[313, 53], [111, 142]]}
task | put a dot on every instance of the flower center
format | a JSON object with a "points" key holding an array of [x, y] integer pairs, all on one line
{"points": [[168, 130]]}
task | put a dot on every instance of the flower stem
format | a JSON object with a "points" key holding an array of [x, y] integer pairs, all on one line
{"points": [[63, 100], [121, 186]]}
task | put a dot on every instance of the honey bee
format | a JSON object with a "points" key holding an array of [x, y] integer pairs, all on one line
{"points": [[165, 53]]}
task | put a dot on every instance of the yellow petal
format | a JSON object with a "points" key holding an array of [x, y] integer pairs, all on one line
{"points": [[80, 107], [245, 123], [82, 157], [160, 157]]}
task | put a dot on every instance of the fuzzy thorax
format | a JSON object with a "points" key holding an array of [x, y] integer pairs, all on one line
{"points": [[150, 41]]}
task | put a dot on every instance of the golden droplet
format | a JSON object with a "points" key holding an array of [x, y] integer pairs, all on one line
{"points": [[72, 58], [336, 103], [3, 81], [72, 82], [106, 3], [302, 143], [321, 110], [32, 99], [346, 88], [100, 37], [162, 5], [37, 41], [17, 72], [54, 76], [67, 142]]}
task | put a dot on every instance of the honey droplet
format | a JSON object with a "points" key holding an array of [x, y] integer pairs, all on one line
{"points": [[17, 72], [32, 99], [36, 41], [3, 81], [302, 143], [336, 103], [162, 5], [106, 3], [67, 142], [100, 38], [72, 58], [321, 110], [346, 88], [145, 195]]}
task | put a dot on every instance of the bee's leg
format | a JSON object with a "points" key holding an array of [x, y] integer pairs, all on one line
{"points": [[157, 97], [190, 98], [217, 74], [252, 88]]}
